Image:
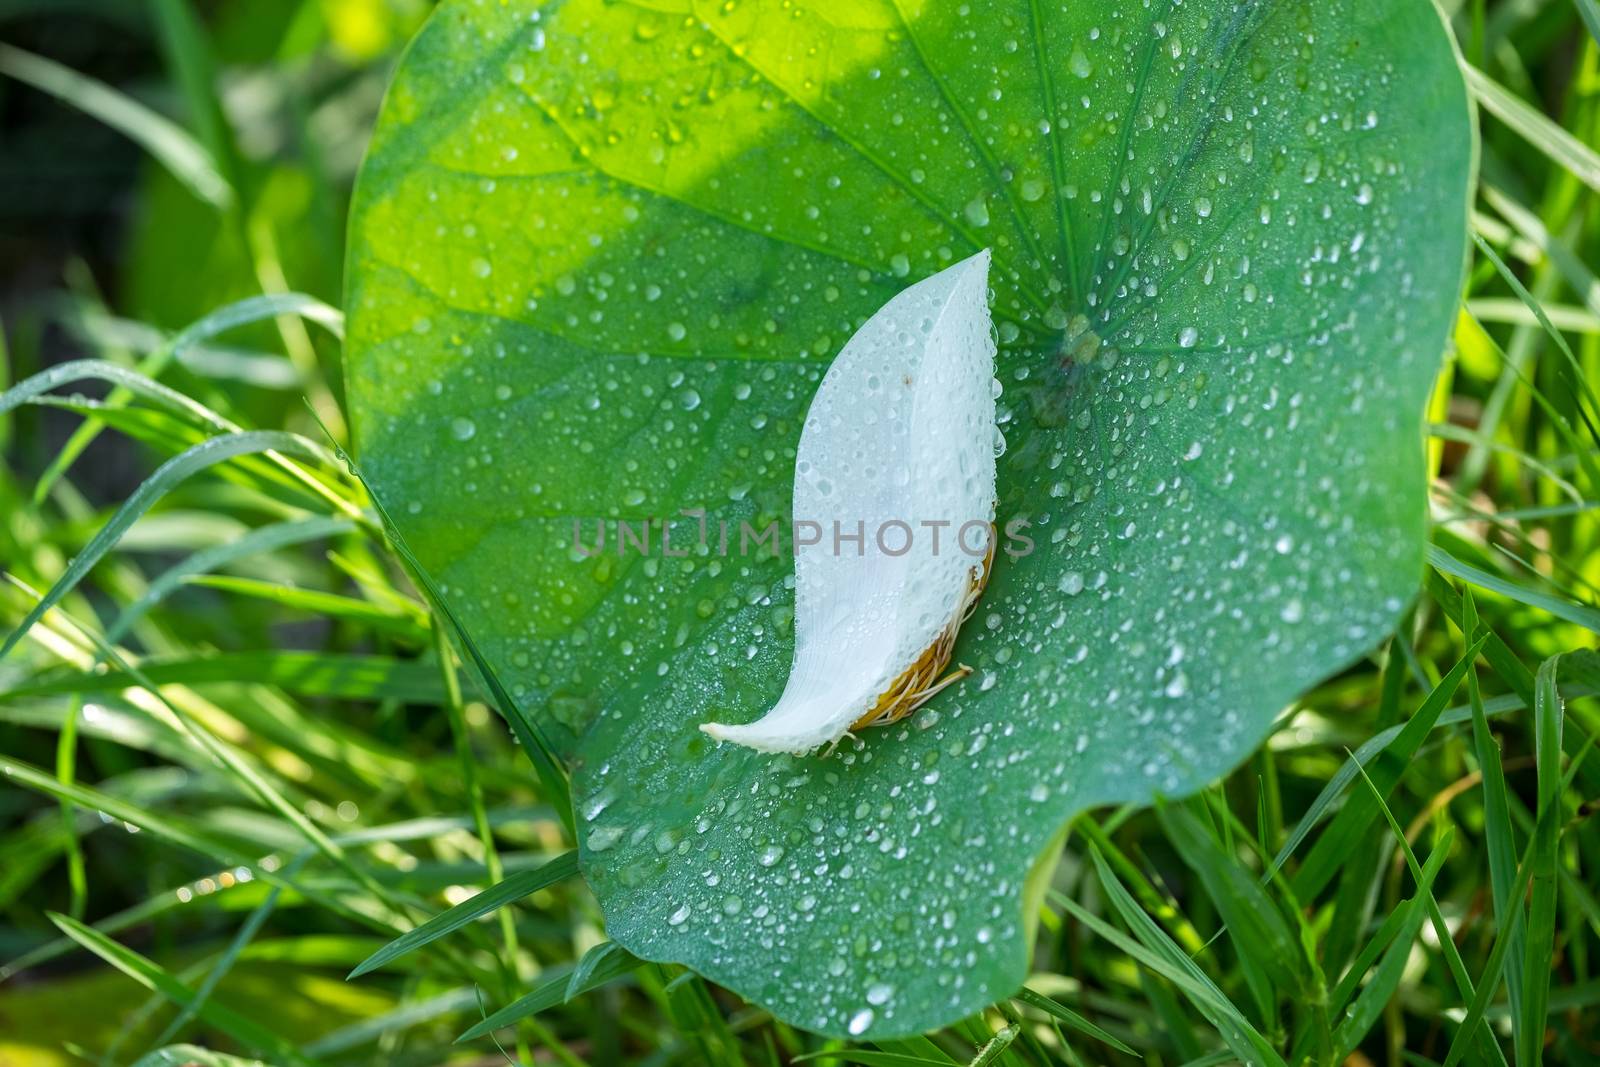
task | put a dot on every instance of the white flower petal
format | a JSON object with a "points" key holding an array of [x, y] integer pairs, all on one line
{"points": [[901, 431]]}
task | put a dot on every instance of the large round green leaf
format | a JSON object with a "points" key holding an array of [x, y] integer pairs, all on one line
{"points": [[602, 254]]}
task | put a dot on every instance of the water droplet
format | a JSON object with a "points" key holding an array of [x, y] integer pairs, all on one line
{"points": [[603, 837]]}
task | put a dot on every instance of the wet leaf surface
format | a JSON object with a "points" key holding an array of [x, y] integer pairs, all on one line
{"points": [[602, 255]]}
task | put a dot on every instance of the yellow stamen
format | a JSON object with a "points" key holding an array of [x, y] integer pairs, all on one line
{"points": [[920, 681]]}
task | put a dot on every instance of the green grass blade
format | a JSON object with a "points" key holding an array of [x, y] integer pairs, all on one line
{"points": [[175, 470], [1358, 1019], [1577, 273], [460, 735], [1350, 824], [1547, 721], [1515, 372], [1070, 1019], [1157, 951], [1565, 150], [172, 829], [1393, 943], [996, 1046], [246, 774], [1360, 879], [1489, 979], [1506, 665], [167, 142], [155, 978], [243, 312], [513, 888], [1254, 924], [255, 309], [1590, 12], [174, 401], [346, 676], [66, 772], [1489, 1051], [1577, 614], [1493, 967], [189, 59], [1578, 381], [237, 944], [176, 831], [1499, 840], [262, 539], [95, 327], [1351, 769], [1160, 906], [1512, 311], [1215, 1059], [153, 426], [552, 992], [78, 370], [317, 602], [1392, 927], [407, 1015], [584, 972], [1169, 1019]]}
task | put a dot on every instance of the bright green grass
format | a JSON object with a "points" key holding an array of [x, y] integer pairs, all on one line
{"points": [[236, 665]]}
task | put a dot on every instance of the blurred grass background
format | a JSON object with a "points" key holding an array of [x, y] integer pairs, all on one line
{"points": [[237, 765]]}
